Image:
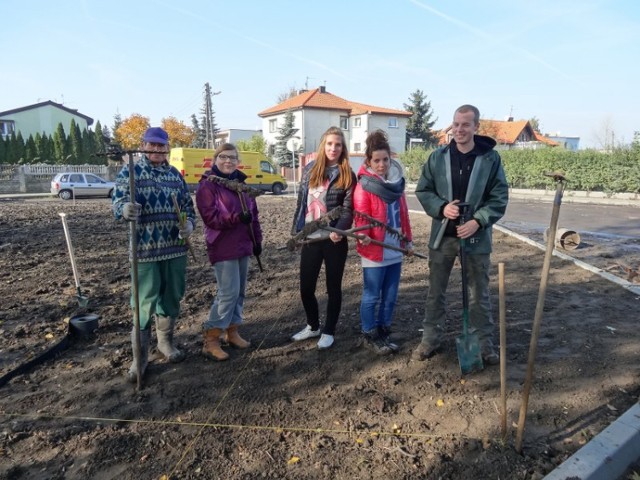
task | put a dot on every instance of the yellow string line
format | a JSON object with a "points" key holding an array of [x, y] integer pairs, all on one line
{"points": [[189, 447], [276, 429]]}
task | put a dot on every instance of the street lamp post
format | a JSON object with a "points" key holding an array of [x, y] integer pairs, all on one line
{"points": [[292, 146]]}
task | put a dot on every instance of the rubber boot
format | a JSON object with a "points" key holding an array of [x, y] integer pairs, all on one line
{"points": [[164, 332], [145, 336], [234, 339], [211, 348]]}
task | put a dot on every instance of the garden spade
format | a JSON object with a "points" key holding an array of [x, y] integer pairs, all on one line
{"points": [[82, 300], [467, 344]]}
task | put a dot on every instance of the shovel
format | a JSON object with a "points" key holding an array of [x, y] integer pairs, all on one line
{"points": [[467, 344], [82, 300]]}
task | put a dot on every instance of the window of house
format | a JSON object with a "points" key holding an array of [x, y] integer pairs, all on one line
{"points": [[356, 146], [272, 150], [393, 122], [7, 127], [273, 125], [357, 122], [344, 123]]}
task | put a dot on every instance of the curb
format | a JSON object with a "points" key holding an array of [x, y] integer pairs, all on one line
{"points": [[632, 287], [608, 454], [612, 451]]}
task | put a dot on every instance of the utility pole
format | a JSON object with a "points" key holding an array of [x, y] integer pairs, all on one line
{"points": [[209, 126]]}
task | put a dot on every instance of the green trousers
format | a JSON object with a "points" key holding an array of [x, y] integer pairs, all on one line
{"points": [[161, 286], [440, 265]]}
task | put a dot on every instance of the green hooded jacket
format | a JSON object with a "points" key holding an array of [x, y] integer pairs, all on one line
{"points": [[488, 193]]}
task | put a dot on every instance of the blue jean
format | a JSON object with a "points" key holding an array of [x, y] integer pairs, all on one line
{"points": [[161, 286], [231, 276], [380, 290]]}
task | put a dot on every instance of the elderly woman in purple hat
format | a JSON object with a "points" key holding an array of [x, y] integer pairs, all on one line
{"points": [[161, 246]]}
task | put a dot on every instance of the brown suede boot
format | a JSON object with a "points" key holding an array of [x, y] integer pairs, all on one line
{"points": [[211, 348], [234, 339]]}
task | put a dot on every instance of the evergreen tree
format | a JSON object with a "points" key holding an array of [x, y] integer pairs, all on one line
{"points": [[59, 141], [420, 124], [199, 140], [3, 150], [106, 134], [117, 121], [43, 148], [89, 147], [19, 149], [99, 140], [282, 155], [30, 151], [75, 144]]}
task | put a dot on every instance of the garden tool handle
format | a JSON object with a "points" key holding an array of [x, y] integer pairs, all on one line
{"points": [[133, 238], [181, 221], [462, 218], [63, 216]]}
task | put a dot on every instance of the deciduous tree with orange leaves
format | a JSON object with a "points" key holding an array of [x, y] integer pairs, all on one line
{"points": [[180, 135], [130, 131]]}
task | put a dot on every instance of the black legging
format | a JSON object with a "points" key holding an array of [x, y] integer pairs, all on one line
{"points": [[334, 256]]}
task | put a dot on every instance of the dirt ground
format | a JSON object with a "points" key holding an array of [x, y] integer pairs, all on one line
{"points": [[284, 410]]}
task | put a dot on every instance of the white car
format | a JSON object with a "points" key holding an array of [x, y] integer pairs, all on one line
{"points": [[74, 184]]}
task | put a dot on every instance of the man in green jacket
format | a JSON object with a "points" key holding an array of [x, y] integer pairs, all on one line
{"points": [[468, 170]]}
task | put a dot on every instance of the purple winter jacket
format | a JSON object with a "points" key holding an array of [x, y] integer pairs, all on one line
{"points": [[227, 238]]}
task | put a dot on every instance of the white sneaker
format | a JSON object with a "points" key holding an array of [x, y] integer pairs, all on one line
{"points": [[305, 333], [325, 341]]}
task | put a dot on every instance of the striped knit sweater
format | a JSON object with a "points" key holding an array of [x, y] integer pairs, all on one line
{"points": [[157, 229]]}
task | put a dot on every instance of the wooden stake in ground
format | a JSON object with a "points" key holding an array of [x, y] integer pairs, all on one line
{"points": [[537, 320], [133, 228], [503, 350]]}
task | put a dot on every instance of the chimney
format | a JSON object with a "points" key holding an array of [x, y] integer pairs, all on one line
{"points": [[322, 89]]}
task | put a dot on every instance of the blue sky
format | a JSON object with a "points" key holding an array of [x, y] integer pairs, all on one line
{"points": [[572, 64]]}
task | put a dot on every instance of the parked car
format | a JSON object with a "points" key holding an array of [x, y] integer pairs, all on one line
{"points": [[78, 184]]}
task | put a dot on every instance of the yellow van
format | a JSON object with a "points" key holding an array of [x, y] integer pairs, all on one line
{"points": [[260, 172]]}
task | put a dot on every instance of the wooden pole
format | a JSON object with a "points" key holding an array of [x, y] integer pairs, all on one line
{"points": [[133, 229], [560, 183], [503, 350]]}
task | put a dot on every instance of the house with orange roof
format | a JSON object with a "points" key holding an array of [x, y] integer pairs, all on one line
{"points": [[508, 134], [316, 110]]}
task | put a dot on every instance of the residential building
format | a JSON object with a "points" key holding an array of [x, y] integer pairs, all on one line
{"points": [[508, 134], [42, 117], [568, 143], [232, 135], [314, 111]]}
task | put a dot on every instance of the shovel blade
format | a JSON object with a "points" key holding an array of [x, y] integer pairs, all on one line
{"points": [[469, 353]]}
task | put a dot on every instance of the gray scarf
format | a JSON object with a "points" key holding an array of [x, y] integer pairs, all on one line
{"points": [[388, 192]]}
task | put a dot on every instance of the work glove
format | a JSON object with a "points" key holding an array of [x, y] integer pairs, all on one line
{"points": [[186, 230], [257, 249], [245, 217], [131, 211]]}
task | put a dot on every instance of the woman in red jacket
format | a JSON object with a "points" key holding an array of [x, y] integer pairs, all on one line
{"points": [[380, 194]]}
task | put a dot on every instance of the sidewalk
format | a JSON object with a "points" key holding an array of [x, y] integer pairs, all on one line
{"points": [[569, 196]]}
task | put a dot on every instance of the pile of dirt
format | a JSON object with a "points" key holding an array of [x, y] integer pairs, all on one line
{"points": [[284, 410]]}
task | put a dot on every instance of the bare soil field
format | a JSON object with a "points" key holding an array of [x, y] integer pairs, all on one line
{"points": [[284, 410]]}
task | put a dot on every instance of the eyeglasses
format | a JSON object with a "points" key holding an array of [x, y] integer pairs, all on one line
{"points": [[231, 158]]}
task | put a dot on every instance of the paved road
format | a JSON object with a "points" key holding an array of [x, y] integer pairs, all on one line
{"points": [[532, 216]]}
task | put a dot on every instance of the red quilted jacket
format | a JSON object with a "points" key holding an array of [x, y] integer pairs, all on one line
{"points": [[375, 207]]}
